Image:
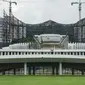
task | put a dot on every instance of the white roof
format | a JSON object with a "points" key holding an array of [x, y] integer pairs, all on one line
{"points": [[52, 35]]}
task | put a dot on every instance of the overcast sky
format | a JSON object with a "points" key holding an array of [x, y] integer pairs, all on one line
{"points": [[37, 11]]}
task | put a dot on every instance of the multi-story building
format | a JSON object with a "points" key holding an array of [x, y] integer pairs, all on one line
{"points": [[15, 29], [10, 31], [1, 31], [79, 31]]}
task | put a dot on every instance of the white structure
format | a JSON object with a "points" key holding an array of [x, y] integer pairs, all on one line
{"points": [[66, 52], [74, 46], [52, 41], [24, 56]]}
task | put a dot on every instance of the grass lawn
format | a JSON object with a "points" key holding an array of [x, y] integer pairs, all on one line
{"points": [[42, 80]]}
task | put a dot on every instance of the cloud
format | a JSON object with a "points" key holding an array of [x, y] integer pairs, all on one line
{"points": [[36, 11]]}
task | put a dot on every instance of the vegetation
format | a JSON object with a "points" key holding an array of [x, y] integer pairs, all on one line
{"points": [[42, 80], [51, 27]]}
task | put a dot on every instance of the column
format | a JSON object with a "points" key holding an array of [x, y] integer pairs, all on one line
{"points": [[25, 68], [60, 68]]}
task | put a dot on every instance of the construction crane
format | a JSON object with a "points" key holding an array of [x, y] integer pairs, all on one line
{"points": [[10, 5], [80, 8], [79, 29], [10, 16]]}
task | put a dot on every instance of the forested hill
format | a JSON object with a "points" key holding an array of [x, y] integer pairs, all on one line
{"points": [[50, 27]]}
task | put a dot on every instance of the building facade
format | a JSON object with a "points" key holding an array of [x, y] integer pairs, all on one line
{"points": [[13, 29], [79, 31]]}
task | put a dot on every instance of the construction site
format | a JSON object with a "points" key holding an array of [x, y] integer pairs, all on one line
{"points": [[11, 28]]}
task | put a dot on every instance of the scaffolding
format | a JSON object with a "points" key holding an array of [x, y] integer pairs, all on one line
{"points": [[13, 28]]}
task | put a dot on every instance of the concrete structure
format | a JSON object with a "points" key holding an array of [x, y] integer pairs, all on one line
{"points": [[20, 59], [51, 41], [61, 59]]}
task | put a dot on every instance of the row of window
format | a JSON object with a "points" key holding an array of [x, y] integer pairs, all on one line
{"points": [[33, 53]]}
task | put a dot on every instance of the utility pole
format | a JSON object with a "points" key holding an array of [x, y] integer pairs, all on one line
{"points": [[80, 8], [10, 16]]}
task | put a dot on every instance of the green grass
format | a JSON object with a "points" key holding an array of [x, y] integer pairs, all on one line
{"points": [[42, 80]]}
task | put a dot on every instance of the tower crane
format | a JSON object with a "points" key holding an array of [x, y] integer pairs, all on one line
{"points": [[80, 8], [10, 16], [10, 5], [80, 29]]}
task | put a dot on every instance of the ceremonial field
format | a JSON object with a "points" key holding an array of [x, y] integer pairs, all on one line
{"points": [[42, 80]]}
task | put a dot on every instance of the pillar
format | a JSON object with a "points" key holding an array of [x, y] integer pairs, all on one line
{"points": [[25, 68], [60, 68]]}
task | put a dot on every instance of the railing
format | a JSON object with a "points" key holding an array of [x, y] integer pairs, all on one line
{"points": [[76, 53], [76, 45]]}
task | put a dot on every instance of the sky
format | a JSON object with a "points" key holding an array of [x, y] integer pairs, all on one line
{"points": [[38, 11]]}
